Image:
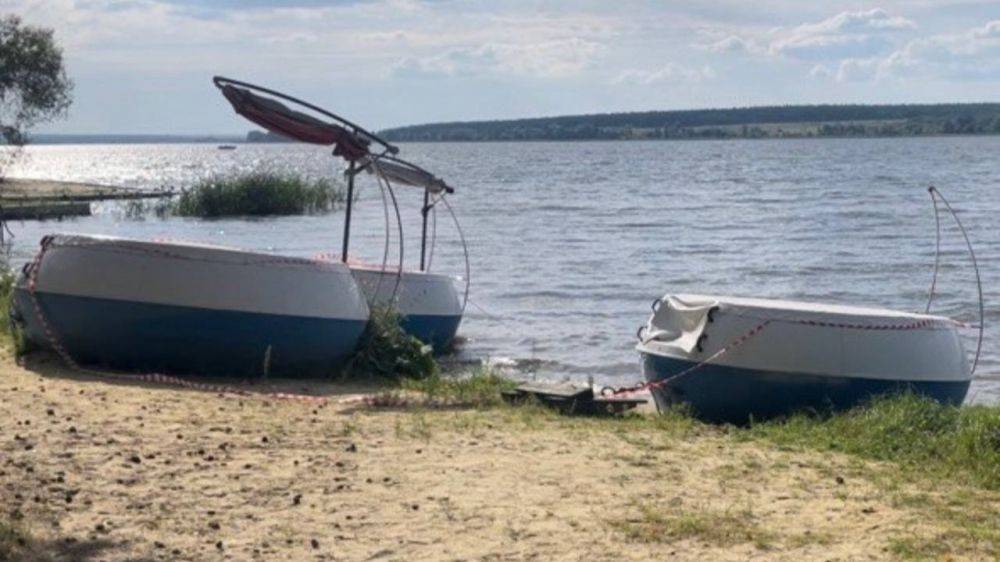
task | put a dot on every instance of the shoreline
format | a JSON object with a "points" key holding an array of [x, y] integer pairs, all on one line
{"points": [[123, 470]]}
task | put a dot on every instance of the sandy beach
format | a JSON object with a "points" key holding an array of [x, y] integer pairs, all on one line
{"points": [[97, 469]]}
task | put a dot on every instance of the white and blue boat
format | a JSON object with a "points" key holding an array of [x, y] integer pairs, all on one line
{"points": [[189, 308], [429, 304], [735, 359]]}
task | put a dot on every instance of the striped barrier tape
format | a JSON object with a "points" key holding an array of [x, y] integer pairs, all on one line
{"points": [[663, 382]]}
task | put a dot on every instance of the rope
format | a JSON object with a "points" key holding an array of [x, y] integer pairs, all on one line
{"points": [[33, 271], [935, 194], [663, 382]]}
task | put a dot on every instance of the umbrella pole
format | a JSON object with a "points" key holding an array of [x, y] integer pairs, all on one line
{"points": [[347, 213]]}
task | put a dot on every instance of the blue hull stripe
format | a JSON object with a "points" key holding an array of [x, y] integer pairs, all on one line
{"points": [[735, 395], [161, 338], [433, 329]]}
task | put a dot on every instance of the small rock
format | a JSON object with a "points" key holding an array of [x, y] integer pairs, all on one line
{"points": [[135, 459], [214, 525], [218, 545], [314, 543], [352, 448], [840, 480], [297, 499]]}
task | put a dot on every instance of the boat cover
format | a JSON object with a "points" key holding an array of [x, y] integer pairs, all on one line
{"points": [[278, 118], [400, 171], [804, 337]]}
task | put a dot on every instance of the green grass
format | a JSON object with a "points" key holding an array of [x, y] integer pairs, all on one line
{"points": [[961, 444], [671, 524], [482, 388], [14, 542], [258, 193]]}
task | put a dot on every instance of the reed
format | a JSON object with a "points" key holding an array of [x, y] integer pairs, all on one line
{"points": [[258, 193], [960, 444]]}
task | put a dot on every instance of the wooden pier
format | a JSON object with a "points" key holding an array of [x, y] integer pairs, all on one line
{"points": [[31, 199]]}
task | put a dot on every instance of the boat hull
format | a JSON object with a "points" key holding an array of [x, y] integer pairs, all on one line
{"points": [[724, 394], [735, 359], [166, 307], [428, 303]]}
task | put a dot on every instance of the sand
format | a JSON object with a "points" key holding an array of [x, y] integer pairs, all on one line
{"points": [[108, 470]]}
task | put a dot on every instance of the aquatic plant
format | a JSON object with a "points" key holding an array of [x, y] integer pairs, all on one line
{"points": [[959, 443], [258, 193], [388, 352]]}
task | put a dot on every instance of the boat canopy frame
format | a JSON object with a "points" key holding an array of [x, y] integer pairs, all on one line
{"points": [[351, 142]]}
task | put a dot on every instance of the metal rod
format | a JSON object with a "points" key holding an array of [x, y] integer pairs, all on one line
{"points": [[423, 231], [220, 80], [347, 213], [975, 265]]}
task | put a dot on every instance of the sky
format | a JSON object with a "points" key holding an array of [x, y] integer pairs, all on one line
{"points": [[145, 66]]}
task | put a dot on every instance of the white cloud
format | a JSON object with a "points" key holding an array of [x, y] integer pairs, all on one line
{"points": [[735, 44], [974, 55], [858, 34], [558, 58], [857, 70], [668, 73]]}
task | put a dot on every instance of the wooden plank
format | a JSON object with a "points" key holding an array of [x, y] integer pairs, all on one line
{"points": [[45, 211], [22, 189]]}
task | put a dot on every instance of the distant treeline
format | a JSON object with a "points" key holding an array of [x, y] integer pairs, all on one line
{"points": [[787, 121]]}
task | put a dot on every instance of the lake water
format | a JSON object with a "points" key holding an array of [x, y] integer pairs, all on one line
{"points": [[570, 242]]}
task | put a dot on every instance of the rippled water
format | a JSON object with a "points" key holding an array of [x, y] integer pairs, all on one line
{"points": [[570, 242]]}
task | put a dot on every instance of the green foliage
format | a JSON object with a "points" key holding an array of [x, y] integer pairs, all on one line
{"points": [[958, 443], [482, 388], [745, 122], [7, 281], [388, 352], [258, 193], [33, 83]]}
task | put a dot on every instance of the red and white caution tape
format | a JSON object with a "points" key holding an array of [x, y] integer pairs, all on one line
{"points": [[155, 378], [726, 349]]}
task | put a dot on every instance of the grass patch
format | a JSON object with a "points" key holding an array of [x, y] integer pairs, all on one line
{"points": [[482, 388], [258, 193], [14, 542], [716, 528], [958, 443], [388, 352]]}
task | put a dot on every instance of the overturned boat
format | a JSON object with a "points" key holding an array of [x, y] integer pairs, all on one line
{"points": [[188, 308], [736, 359]]}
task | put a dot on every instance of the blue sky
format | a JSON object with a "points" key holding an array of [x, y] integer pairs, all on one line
{"points": [[144, 66]]}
